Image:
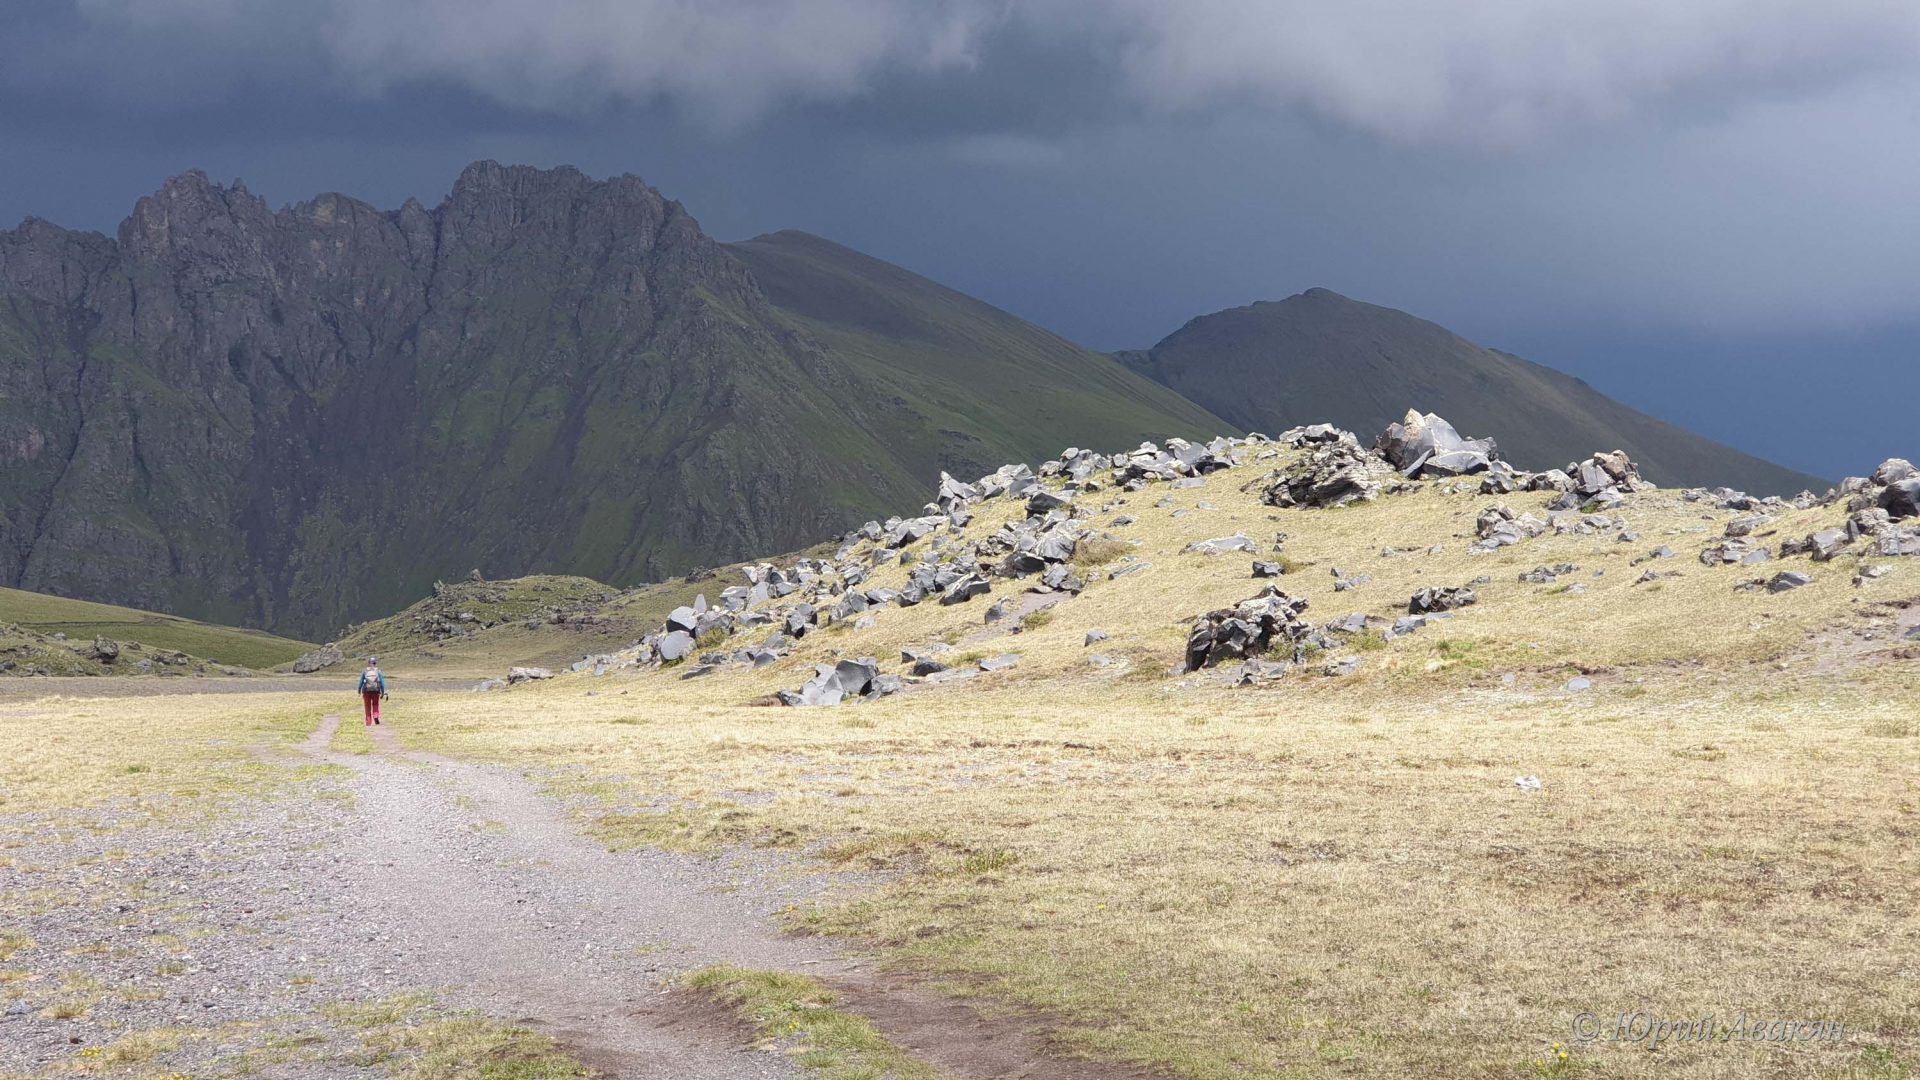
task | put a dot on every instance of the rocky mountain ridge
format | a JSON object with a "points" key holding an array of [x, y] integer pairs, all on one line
{"points": [[303, 417]]}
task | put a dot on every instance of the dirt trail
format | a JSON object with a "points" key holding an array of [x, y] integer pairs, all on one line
{"points": [[477, 881]]}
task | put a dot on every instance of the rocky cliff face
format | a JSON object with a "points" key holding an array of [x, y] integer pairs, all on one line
{"points": [[301, 417]]}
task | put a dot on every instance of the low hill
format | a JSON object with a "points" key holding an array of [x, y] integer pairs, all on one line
{"points": [[1320, 356], [57, 621]]}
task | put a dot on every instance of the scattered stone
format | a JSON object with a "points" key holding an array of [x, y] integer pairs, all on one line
{"points": [[519, 675], [995, 612], [1093, 636], [1578, 683], [1003, 662], [1729, 551], [1262, 569], [1747, 526], [1787, 580], [1441, 598], [1528, 784], [1345, 665], [1220, 545]]}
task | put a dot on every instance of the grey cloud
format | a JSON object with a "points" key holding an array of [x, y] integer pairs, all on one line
{"points": [[1445, 71]]}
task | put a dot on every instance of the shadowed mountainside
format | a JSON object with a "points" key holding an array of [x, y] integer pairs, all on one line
{"points": [[299, 418], [1320, 356]]}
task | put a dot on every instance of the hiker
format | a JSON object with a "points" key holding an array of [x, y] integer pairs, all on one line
{"points": [[373, 687]]}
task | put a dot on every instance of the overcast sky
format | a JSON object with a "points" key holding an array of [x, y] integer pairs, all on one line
{"points": [[1704, 207]]}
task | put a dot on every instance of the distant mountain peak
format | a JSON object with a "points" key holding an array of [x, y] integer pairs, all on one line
{"points": [[1321, 356]]}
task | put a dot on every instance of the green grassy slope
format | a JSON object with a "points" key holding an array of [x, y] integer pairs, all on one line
{"points": [[83, 620], [1321, 357], [963, 375]]}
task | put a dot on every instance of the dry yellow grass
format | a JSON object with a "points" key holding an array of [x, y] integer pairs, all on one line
{"points": [[1338, 877], [1335, 876], [151, 752]]}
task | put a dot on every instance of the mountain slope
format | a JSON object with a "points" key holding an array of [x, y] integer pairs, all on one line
{"points": [[299, 418], [982, 369], [1320, 356]]}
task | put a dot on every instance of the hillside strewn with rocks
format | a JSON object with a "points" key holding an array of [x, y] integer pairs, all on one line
{"points": [[1020, 542]]}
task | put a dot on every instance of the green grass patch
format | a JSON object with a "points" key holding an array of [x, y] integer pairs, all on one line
{"points": [[801, 1013], [82, 621]]}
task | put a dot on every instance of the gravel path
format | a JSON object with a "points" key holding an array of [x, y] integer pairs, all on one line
{"points": [[477, 881], [402, 873]]}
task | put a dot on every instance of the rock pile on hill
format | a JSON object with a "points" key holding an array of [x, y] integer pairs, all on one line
{"points": [[1038, 549], [1254, 627]]}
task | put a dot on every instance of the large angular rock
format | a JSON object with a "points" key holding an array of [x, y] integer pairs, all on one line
{"points": [[1423, 444], [801, 619], [1823, 545], [674, 645], [965, 588], [833, 683], [1894, 470], [1901, 499]]}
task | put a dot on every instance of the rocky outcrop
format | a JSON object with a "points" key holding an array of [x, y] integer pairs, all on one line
{"points": [[318, 659], [1261, 624], [1422, 444]]}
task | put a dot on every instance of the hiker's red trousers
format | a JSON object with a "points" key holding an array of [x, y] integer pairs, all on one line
{"points": [[371, 699]]}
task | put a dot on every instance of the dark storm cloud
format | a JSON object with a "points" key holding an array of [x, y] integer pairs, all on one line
{"points": [[1621, 188]]}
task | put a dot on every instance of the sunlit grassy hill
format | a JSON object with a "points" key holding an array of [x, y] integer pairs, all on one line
{"points": [[1597, 617], [34, 619]]}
